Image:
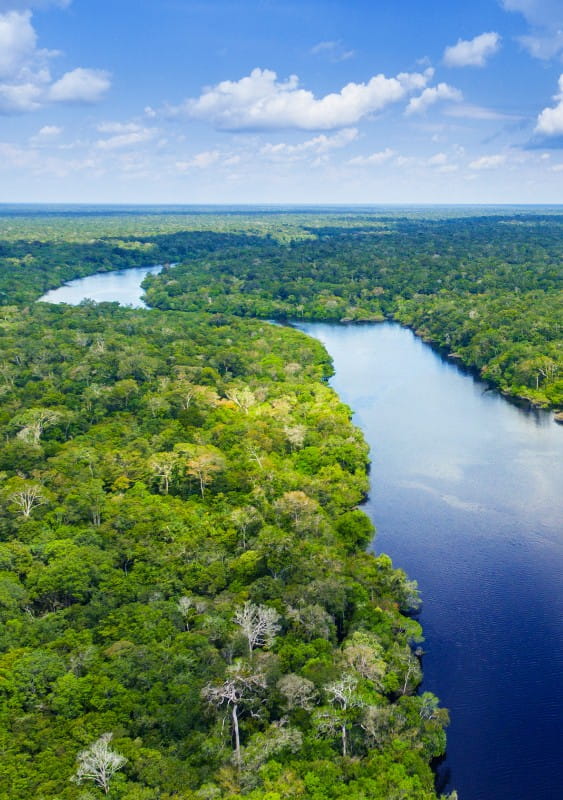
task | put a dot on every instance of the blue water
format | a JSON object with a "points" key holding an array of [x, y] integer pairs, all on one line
{"points": [[467, 497], [123, 286]]}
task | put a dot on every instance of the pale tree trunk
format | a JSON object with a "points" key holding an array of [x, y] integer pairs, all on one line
{"points": [[237, 735]]}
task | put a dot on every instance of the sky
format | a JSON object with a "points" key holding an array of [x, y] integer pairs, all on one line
{"points": [[281, 101]]}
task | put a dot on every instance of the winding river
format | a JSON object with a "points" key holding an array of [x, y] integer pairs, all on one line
{"points": [[467, 497], [122, 286]]}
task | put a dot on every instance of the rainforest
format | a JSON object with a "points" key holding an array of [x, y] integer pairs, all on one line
{"points": [[189, 609]]}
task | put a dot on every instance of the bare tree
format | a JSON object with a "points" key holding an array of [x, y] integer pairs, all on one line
{"points": [[405, 661], [242, 398], [238, 690], [342, 695], [34, 421], [258, 623], [98, 763], [189, 605], [163, 465], [27, 498]]}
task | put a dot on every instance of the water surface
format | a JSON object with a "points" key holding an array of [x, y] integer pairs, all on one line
{"points": [[467, 496], [122, 286]]}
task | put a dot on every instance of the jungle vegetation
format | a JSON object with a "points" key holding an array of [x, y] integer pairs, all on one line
{"points": [[487, 289], [188, 608]]}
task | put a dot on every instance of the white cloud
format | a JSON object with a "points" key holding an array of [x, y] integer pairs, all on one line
{"points": [[261, 102], [472, 52], [373, 160], [431, 95], [545, 18], [550, 121], [17, 41], [20, 97], [80, 85], [335, 51], [488, 162], [134, 137], [538, 12], [49, 131], [318, 145], [467, 111], [25, 79], [118, 127]]}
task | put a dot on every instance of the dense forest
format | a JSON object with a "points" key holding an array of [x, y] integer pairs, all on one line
{"points": [[487, 289], [188, 609]]}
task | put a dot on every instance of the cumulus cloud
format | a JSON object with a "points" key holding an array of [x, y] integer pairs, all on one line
{"points": [[47, 131], [17, 41], [550, 121], [488, 162], [373, 160], [431, 95], [80, 86], [25, 78], [545, 18], [319, 145], [260, 102], [20, 97], [472, 52]]}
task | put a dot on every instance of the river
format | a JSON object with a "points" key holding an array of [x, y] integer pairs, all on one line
{"points": [[467, 497], [122, 286]]}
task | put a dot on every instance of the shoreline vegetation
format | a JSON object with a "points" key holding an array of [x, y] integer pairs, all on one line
{"points": [[188, 607]]}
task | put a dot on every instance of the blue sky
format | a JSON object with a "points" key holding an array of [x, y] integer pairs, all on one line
{"points": [[281, 101]]}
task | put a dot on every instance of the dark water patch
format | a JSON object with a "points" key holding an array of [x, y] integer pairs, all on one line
{"points": [[467, 495]]}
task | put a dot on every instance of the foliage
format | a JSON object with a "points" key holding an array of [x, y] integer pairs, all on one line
{"points": [[190, 578]]}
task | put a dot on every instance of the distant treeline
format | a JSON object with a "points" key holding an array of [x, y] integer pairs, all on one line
{"points": [[488, 289]]}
